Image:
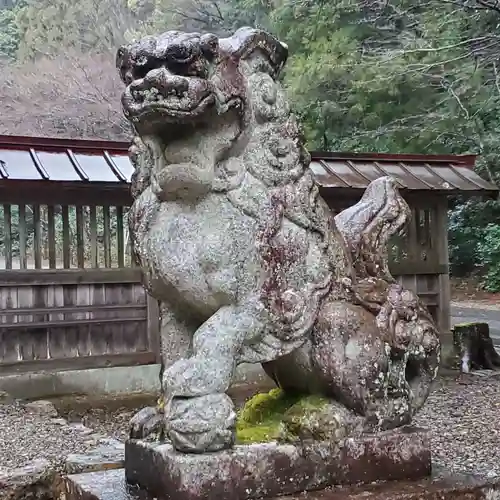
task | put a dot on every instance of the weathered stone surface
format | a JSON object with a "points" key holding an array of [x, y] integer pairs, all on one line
{"points": [[34, 480], [440, 486], [103, 485], [269, 469], [245, 258], [42, 407], [5, 398], [110, 485], [109, 454]]}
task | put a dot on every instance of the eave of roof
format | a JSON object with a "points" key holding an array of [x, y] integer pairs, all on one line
{"points": [[106, 162]]}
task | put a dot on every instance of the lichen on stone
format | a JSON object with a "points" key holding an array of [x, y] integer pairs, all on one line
{"points": [[317, 418]]}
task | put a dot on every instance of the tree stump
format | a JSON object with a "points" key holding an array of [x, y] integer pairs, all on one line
{"points": [[474, 348]]}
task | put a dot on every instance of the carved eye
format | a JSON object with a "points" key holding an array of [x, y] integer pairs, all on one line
{"points": [[180, 54], [209, 46], [143, 65]]}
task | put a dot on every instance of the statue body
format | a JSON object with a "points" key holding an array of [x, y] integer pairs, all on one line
{"points": [[244, 256]]}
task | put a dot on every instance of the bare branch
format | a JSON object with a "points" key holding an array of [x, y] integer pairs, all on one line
{"points": [[77, 95], [490, 4]]}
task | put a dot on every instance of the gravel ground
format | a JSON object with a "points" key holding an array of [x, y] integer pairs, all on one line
{"points": [[27, 437], [463, 416]]}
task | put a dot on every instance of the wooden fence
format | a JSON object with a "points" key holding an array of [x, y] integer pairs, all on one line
{"points": [[71, 297], [70, 294], [419, 258]]}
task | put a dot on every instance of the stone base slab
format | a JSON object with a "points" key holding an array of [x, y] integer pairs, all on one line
{"points": [[108, 454], [111, 485], [271, 469]]}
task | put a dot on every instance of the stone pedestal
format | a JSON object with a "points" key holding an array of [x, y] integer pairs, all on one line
{"points": [[271, 469], [111, 485]]}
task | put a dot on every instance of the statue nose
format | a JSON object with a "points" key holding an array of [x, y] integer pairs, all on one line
{"points": [[166, 82]]}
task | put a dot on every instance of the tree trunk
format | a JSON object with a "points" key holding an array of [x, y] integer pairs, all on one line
{"points": [[474, 348]]}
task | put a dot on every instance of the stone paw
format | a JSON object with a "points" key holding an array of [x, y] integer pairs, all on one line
{"points": [[148, 421]]}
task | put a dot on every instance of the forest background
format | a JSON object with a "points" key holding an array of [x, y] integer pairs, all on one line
{"points": [[397, 76]]}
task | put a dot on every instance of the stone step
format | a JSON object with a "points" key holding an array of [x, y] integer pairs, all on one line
{"points": [[101, 485], [110, 485]]}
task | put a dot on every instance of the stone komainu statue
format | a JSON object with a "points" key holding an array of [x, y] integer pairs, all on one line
{"points": [[245, 257]]}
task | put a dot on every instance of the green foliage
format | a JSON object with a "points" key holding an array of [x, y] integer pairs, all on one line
{"points": [[468, 223], [10, 34], [489, 253], [397, 77]]}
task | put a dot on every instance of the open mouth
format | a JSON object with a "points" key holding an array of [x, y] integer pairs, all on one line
{"points": [[143, 103]]}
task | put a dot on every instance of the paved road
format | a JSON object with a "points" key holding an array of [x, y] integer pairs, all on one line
{"points": [[469, 315]]}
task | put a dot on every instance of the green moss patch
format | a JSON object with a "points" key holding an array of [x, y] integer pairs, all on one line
{"points": [[261, 418], [276, 415]]}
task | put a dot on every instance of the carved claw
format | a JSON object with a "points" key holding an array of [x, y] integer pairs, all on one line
{"points": [[147, 421]]}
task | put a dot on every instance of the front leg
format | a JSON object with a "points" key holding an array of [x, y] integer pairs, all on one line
{"points": [[175, 344], [199, 415]]}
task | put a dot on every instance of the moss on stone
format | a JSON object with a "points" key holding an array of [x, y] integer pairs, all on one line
{"points": [[277, 415], [308, 403], [311, 418], [260, 420]]}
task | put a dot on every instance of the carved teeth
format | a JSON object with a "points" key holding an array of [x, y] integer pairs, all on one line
{"points": [[154, 94], [138, 95]]}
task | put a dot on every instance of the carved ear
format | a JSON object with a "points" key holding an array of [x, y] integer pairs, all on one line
{"points": [[121, 60], [247, 41]]}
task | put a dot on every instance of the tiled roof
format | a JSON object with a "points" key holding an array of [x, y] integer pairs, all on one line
{"points": [[28, 158], [447, 174]]}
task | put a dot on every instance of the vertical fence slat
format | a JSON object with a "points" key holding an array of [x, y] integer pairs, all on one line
{"points": [[412, 238], [22, 237], [37, 247], [66, 240], [80, 255], [93, 237], [120, 237], [51, 236], [106, 236], [7, 230], [427, 228]]}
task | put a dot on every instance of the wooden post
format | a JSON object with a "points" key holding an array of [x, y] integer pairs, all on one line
{"points": [[153, 325], [23, 260], [441, 239], [7, 228], [66, 237]]}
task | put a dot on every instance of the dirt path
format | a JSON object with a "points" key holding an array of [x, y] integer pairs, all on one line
{"points": [[469, 293]]}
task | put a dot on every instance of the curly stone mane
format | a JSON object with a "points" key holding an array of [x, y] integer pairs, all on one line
{"points": [[273, 168]]}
